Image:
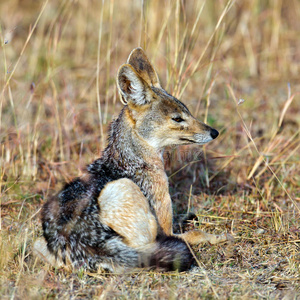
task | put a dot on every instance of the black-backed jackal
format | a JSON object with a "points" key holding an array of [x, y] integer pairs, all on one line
{"points": [[119, 214]]}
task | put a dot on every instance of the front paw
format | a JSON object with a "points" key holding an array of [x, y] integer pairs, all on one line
{"points": [[225, 237]]}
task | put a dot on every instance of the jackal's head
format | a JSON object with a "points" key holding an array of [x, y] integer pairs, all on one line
{"points": [[157, 117]]}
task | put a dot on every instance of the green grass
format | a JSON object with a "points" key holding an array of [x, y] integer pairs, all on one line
{"points": [[58, 95]]}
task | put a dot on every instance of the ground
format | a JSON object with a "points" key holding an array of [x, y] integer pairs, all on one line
{"points": [[235, 64]]}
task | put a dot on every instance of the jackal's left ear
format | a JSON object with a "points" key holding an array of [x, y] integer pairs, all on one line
{"points": [[132, 87], [143, 67]]}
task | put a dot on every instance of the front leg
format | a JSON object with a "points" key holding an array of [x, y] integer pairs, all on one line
{"points": [[159, 198], [163, 210], [162, 205], [195, 237], [164, 214]]}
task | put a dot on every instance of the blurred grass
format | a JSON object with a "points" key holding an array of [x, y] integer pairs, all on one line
{"points": [[56, 101]]}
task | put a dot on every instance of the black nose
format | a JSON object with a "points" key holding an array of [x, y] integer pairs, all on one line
{"points": [[214, 133]]}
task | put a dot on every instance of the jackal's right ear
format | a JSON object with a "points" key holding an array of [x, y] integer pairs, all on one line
{"points": [[132, 87]]}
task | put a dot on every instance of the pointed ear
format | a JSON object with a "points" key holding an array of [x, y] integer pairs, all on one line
{"points": [[132, 87], [143, 67]]}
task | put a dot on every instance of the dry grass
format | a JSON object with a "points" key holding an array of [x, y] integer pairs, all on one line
{"points": [[58, 63]]}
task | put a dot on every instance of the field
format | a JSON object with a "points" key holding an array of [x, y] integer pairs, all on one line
{"points": [[235, 64]]}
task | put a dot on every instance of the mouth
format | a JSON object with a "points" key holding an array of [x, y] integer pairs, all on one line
{"points": [[187, 141], [197, 141]]}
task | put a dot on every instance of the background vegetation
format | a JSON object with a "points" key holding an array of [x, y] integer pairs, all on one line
{"points": [[236, 64]]}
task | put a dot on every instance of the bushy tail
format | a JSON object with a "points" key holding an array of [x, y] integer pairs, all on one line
{"points": [[170, 253], [167, 253]]}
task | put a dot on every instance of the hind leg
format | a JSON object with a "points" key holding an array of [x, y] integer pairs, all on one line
{"points": [[125, 209], [40, 249]]}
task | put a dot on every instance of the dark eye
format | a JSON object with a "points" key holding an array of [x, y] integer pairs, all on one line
{"points": [[178, 119]]}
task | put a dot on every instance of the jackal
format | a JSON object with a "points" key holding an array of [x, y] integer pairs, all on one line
{"points": [[119, 214]]}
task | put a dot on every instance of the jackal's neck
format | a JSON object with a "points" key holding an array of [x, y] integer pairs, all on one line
{"points": [[127, 148], [128, 155]]}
